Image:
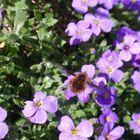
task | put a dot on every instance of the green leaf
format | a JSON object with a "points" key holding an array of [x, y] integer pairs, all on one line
{"points": [[20, 18]]}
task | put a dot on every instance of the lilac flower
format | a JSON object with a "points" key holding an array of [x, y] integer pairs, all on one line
{"points": [[82, 5], [36, 110], [128, 47], [110, 133], [100, 21], [105, 96], [109, 65], [136, 80], [108, 3], [79, 32], [125, 31], [108, 116], [3, 126], [135, 123], [83, 131], [136, 60], [79, 84]]}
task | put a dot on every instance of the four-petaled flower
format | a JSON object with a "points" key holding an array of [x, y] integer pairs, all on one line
{"points": [[36, 110], [83, 131]]}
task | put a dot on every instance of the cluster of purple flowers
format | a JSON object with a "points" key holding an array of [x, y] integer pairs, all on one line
{"points": [[133, 5]]}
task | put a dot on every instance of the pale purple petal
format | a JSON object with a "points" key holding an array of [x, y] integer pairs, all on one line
{"points": [[50, 104], [3, 130], [66, 124], [117, 76], [135, 49], [69, 94], [40, 117], [83, 97], [71, 29], [106, 24], [96, 29], [64, 136], [128, 39], [125, 55], [92, 3], [39, 96], [86, 35], [116, 133], [3, 114], [85, 128], [82, 24], [89, 69], [29, 109], [79, 6]]}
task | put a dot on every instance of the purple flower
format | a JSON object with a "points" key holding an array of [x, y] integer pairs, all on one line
{"points": [[109, 65], [135, 123], [3, 126], [36, 110], [79, 32], [79, 84], [83, 131], [136, 80], [108, 3], [128, 47], [110, 133], [105, 97], [136, 60], [108, 116], [100, 21], [82, 5]]}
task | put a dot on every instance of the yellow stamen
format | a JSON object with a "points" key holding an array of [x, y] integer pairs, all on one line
{"points": [[74, 132], [108, 137], [108, 118], [110, 58], [106, 96], [85, 1], [138, 122], [39, 103], [110, 69], [79, 32], [98, 21]]}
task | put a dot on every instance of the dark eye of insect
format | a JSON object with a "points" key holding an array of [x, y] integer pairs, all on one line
{"points": [[78, 83]]}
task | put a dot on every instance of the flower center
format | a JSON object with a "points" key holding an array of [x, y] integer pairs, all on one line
{"points": [[133, 1], [126, 47], [85, 1], [106, 96], [138, 122], [108, 137], [74, 132], [97, 21], [110, 58], [78, 83], [79, 32], [39, 103], [108, 118], [110, 69]]}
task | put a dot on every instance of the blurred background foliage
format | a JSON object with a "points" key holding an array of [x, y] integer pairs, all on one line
{"points": [[35, 55]]}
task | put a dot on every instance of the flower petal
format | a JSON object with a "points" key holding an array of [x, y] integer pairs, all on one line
{"points": [[40, 117], [71, 29], [29, 109], [50, 104], [3, 130], [116, 133], [3, 114], [89, 69], [135, 49], [66, 124], [125, 55], [85, 128]]}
